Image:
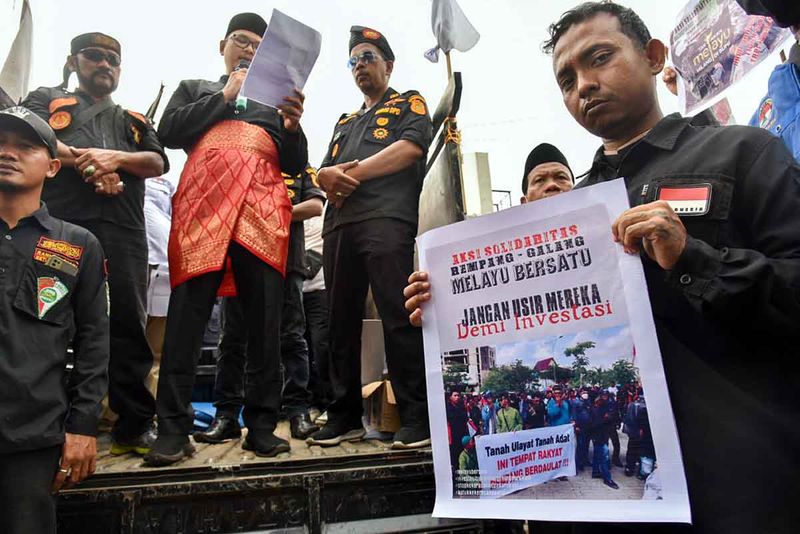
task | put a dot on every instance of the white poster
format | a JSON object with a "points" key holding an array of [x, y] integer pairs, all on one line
{"points": [[544, 375]]}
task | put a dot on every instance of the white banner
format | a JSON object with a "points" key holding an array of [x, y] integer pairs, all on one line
{"points": [[517, 460], [545, 282]]}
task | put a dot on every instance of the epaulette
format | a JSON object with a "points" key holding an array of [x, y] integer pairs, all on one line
{"points": [[59, 103]]}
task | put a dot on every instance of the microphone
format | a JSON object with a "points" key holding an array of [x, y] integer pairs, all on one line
{"points": [[241, 102]]}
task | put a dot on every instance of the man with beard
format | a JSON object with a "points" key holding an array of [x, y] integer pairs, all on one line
{"points": [[373, 174], [229, 235], [52, 292], [106, 153], [722, 272]]}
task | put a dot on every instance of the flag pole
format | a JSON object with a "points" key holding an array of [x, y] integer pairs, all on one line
{"points": [[449, 66]]}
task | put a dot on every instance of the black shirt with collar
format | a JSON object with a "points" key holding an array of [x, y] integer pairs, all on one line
{"points": [[52, 292], [363, 134], [303, 186], [727, 315], [68, 196], [197, 105]]}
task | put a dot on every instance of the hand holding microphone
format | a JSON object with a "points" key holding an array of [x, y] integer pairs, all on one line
{"points": [[234, 85]]}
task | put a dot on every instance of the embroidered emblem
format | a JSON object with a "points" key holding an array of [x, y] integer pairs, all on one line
{"points": [[690, 200], [60, 120], [370, 34], [388, 111], [347, 119], [380, 133], [288, 181], [55, 261], [766, 114], [335, 150], [312, 173], [137, 135], [394, 101], [417, 105], [62, 248], [290, 192], [394, 95], [50, 291], [61, 103], [382, 121]]}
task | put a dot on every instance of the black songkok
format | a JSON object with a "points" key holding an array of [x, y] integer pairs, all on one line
{"points": [[544, 153], [361, 34], [94, 40], [247, 21]]}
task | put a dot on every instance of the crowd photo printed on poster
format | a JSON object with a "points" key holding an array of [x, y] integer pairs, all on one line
{"points": [[545, 381]]}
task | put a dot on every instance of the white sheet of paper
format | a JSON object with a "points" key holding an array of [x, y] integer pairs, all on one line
{"points": [[283, 61], [525, 283]]}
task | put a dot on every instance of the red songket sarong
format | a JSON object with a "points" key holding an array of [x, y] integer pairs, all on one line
{"points": [[231, 188]]}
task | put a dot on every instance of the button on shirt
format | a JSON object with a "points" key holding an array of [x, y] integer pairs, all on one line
{"points": [[52, 291], [363, 134]]}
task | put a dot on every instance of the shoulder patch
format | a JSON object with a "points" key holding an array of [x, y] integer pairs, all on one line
{"points": [[417, 105], [59, 103], [60, 120], [138, 116]]}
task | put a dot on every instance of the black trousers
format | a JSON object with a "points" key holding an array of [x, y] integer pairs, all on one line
{"points": [[315, 304], [26, 479], [377, 253], [228, 387], [260, 289], [131, 358]]}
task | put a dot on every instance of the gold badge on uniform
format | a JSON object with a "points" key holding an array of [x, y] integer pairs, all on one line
{"points": [[60, 120], [370, 34], [312, 173], [417, 104], [335, 150], [137, 135], [290, 192], [380, 133], [382, 121]]}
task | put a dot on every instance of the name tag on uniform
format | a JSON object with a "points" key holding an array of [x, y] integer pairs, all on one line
{"points": [[688, 200]]}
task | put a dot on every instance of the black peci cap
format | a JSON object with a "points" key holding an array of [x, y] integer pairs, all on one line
{"points": [[24, 117], [94, 39], [361, 34], [251, 22], [543, 153]]}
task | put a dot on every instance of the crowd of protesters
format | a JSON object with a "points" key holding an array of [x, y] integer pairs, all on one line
{"points": [[597, 415]]}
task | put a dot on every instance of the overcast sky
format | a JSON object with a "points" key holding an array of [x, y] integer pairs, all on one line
{"points": [[510, 100]]}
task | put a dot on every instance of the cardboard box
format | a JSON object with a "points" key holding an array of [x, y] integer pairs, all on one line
{"points": [[381, 411]]}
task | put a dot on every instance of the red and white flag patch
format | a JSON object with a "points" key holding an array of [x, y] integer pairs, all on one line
{"points": [[690, 200]]}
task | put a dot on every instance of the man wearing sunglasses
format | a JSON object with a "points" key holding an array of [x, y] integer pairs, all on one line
{"points": [[373, 174], [230, 236], [106, 152]]}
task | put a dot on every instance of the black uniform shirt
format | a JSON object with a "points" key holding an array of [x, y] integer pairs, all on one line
{"points": [[68, 196], [302, 187], [197, 105], [728, 314], [363, 134], [52, 290]]}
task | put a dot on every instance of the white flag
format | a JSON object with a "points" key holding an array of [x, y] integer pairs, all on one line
{"points": [[451, 28], [17, 67]]}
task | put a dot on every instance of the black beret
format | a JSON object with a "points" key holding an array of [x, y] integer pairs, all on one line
{"points": [[543, 153], [361, 34], [251, 22], [94, 39]]}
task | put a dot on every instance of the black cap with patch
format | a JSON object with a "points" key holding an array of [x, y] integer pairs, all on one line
{"points": [[361, 34], [25, 118], [94, 40], [543, 153], [251, 22]]}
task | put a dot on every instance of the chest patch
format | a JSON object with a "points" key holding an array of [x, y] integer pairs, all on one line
{"points": [[62, 248], [690, 200], [50, 291]]}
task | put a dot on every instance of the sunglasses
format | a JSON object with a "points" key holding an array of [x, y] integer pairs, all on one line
{"points": [[367, 57], [243, 42], [97, 55]]}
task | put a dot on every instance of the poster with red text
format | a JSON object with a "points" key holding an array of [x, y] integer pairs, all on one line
{"points": [[546, 392]]}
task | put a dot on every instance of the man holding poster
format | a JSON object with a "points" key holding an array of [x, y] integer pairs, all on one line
{"points": [[716, 213]]}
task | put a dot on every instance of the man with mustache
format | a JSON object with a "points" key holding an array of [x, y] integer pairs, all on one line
{"points": [[716, 221], [106, 152]]}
